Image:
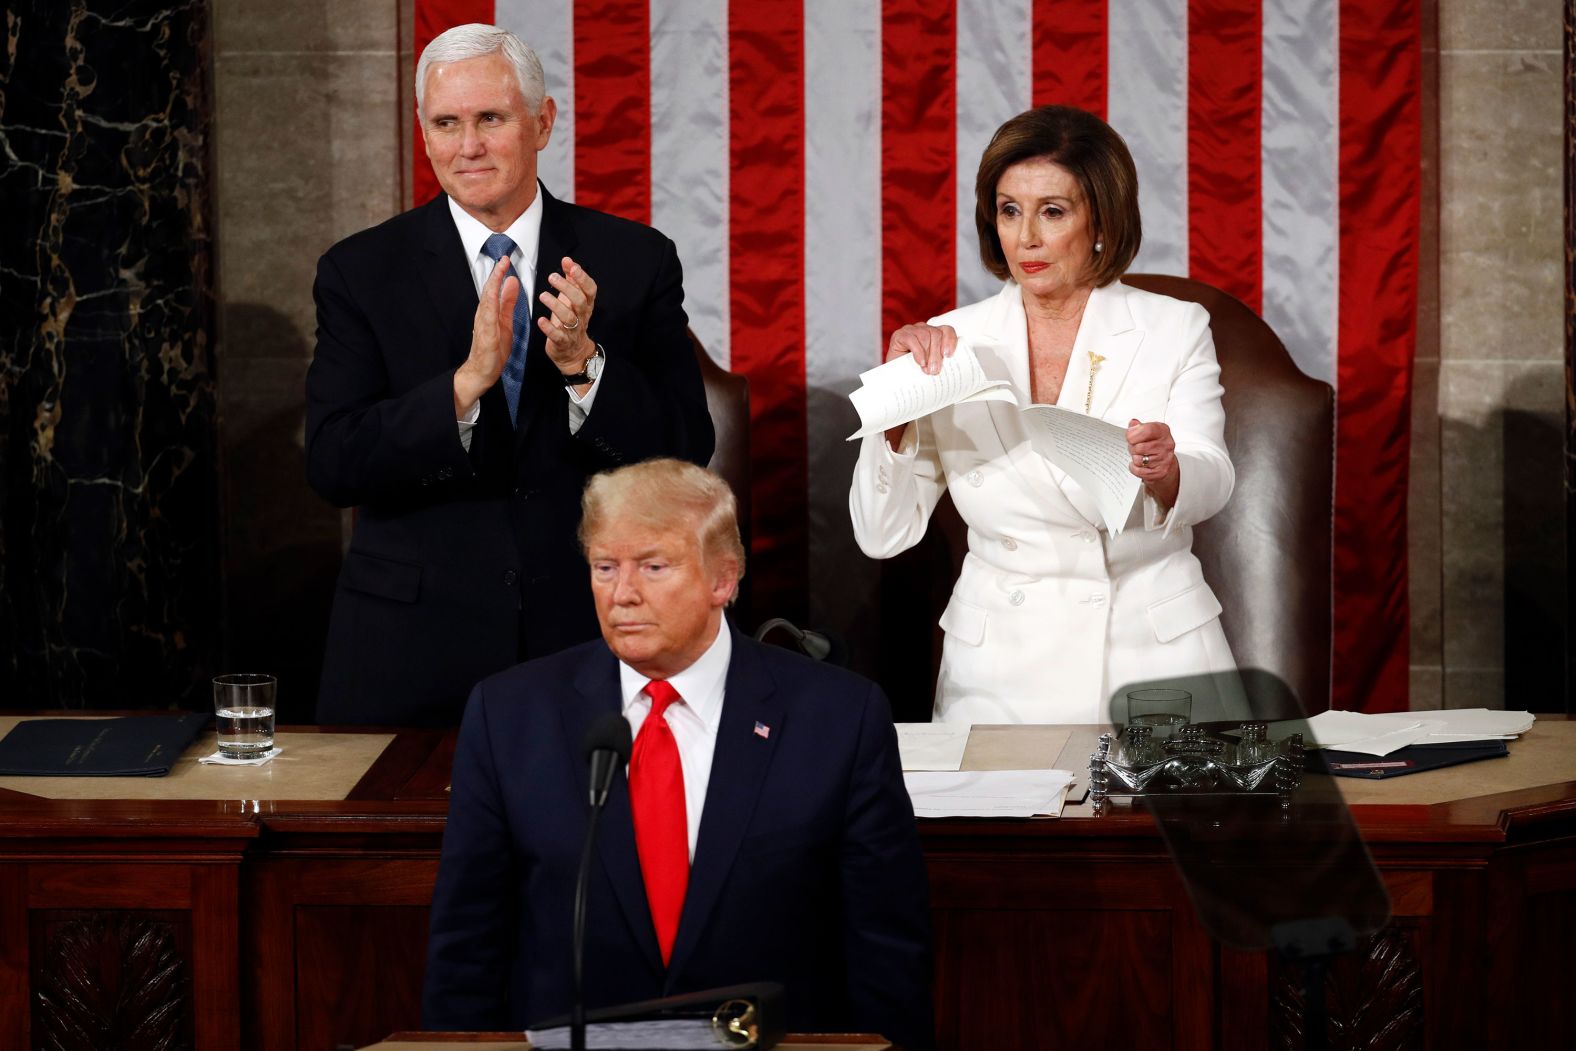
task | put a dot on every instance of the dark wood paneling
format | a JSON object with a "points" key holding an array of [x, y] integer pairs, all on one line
{"points": [[1373, 997], [358, 973], [1069, 978], [336, 949], [111, 980]]}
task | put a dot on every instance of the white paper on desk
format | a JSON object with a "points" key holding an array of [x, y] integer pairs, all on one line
{"points": [[988, 793], [900, 391], [1092, 452], [932, 746], [660, 1034], [1481, 723], [1333, 729]]}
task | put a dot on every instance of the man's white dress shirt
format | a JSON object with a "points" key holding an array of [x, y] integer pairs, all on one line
{"points": [[693, 718], [526, 233]]}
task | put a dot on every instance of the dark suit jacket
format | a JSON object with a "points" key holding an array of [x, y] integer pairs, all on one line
{"points": [[807, 868], [462, 564]]}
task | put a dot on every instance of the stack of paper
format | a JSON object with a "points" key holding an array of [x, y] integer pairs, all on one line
{"points": [[988, 793], [1093, 453], [932, 746], [1386, 733]]}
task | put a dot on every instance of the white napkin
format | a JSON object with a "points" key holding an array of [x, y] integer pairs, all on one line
{"points": [[218, 760]]}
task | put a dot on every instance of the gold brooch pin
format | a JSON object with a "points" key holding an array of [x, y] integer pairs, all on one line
{"points": [[1094, 367]]}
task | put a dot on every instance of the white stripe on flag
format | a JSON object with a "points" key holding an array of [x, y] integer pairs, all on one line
{"points": [[1147, 105], [1301, 180], [842, 248], [689, 155], [548, 26], [994, 63]]}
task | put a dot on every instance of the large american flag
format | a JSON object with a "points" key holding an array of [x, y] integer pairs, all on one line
{"points": [[814, 162]]}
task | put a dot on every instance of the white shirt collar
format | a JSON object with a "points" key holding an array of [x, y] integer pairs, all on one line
{"points": [[525, 232], [701, 684]]}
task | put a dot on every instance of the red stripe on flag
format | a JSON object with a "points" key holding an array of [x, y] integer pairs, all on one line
{"points": [[432, 17], [766, 275], [1069, 53], [1225, 208], [613, 107], [918, 160], [1380, 187]]}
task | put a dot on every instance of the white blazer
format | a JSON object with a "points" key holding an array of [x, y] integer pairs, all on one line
{"points": [[1051, 617]]}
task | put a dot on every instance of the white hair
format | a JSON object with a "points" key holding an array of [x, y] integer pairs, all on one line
{"points": [[478, 40]]}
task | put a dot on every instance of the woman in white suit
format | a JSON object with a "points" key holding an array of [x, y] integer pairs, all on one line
{"points": [[1052, 617]]}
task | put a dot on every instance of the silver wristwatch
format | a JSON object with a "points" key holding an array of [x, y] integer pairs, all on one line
{"points": [[589, 371]]}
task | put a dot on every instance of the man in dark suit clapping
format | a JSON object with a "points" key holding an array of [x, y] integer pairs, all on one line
{"points": [[477, 359], [763, 832]]}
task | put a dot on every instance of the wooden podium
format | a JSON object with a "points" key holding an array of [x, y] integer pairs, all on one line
{"points": [[121, 908]]}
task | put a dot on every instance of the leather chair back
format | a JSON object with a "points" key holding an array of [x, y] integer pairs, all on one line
{"points": [[1267, 553], [728, 401]]}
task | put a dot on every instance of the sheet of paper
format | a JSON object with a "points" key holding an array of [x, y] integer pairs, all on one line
{"points": [[932, 746], [988, 793], [1333, 729], [1387, 732], [659, 1034], [900, 391], [1093, 452], [1489, 722]]}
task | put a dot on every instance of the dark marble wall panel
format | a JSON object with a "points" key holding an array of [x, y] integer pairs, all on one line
{"points": [[109, 593]]}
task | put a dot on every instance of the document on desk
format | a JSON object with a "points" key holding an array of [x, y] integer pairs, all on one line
{"points": [[932, 746], [658, 1034], [1383, 733], [1092, 452], [988, 793]]}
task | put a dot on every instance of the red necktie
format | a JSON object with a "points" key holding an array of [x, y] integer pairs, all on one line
{"points": [[656, 798]]}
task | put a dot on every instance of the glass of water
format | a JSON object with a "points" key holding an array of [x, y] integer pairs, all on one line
{"points": [[243, 708], [1162, 709]]}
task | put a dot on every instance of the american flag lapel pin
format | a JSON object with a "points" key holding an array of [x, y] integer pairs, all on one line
{"points": [[762, 730]]}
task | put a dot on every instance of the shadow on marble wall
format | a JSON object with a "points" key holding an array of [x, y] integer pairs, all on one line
{"points": [[1536, 575], [281, 540], [1505, 570]]}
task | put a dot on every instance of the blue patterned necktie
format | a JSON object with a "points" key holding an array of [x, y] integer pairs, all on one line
{"points": [[496, 247]]}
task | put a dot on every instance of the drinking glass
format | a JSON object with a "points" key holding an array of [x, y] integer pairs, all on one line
{"points": [[243, 708], [1162, 709]]}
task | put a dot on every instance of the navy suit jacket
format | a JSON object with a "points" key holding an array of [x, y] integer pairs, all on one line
{"points": [[465, 563], [807, 868]]}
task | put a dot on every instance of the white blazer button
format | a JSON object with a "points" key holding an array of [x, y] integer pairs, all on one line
{"points": [[1016, 598], [1009, 543], [976, 479], [1098, 600]]}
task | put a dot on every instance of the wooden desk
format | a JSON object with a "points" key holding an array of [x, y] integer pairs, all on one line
{"points": [[1073, 932], [512, 1042]]}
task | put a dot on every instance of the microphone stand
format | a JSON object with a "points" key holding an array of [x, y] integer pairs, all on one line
{"points": [[577, 1011], [607, 746]]}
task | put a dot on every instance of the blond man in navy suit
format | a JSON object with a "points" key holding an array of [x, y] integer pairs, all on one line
{"points": [[803, 865]]}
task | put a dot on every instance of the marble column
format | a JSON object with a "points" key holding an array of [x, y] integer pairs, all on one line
{"points": [[109, 592]]}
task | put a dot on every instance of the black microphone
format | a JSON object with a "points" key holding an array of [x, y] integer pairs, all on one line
{"points": [[607, 747], [818, 646]]}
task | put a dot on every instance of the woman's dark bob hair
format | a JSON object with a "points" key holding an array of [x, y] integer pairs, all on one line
{"points": [[1095, 155]]}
